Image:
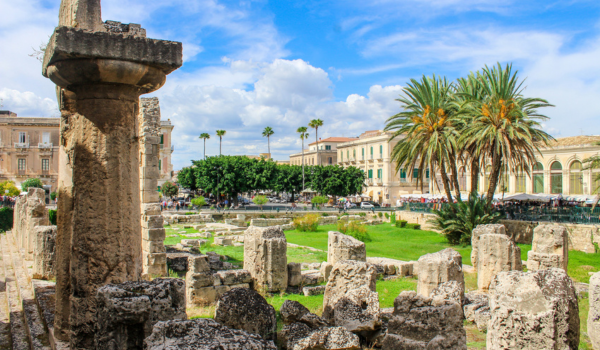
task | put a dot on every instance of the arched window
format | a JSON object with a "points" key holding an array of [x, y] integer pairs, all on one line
{"points": [[503, 184], [576, 178], [556, 179], [538, 178], [520, 178], [462, 179]]}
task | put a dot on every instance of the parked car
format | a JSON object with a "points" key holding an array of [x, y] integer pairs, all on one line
{"points": [[369, 205]]}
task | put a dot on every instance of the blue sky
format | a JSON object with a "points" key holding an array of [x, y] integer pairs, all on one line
{"points": [[252, 64]]}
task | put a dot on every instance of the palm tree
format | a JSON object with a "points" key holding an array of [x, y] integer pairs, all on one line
{"points": [[221, 133], [428, 129], [503, 125], [315, 124], [267, 133], [303, 136], [205, 136]]}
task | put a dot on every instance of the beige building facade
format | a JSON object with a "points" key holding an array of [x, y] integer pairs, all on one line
{"points": [[559, 170], [29, 149], [327, 152], [165, 165], [371, 153]]}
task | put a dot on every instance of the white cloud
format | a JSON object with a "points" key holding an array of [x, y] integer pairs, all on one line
{"points": [[28, 104]]}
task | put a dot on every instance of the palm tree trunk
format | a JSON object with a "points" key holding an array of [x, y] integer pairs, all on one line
{"points": [[220, 144], [204, 149], [269, 145], [455, 179], [474, 175], [317, 137], [302, 164], [494, 175], [446, 182]]}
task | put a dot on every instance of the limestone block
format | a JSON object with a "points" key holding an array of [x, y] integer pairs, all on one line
{"points": [[265, 257], [593, 321], [152, 221], [478, 231], [496, 253], [136, 305], [150, 196], [195, 280], [343, 247], [437, 268], [326, 270], [223, 241], [206, 295], [290, 334], [345, 276], [246, 310], [198, 263], [450, 290], [203, 333], [154, 234], [533, 310], [477, 309], [550, 248], [311, 277], [44, 252], [156, 270], [294, 274], [358, 311], [153, 246], [316, 290], [234, 277], [420, 322], [294, 312], [337, 338], [154, 258]]}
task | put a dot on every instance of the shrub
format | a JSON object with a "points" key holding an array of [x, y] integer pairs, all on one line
{"points": [[53, 195], [319, 200], [416, 227], [354, 229], [199, 202], [212, 207], [345, 214], [362, 214], [387, 216], [190, 213], [9, 185], [271, 216], [457, 221], [324, 214], [380, 214], [6, 219], [52, 216], [34, 182], [401, 223], [263, 216], [260, 200], [393, 218], [307, 223], [169, 189]]}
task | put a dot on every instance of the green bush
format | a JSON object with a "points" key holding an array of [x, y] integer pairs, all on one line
{"points": [[345, 214], [6, 219], [416, 227], [53, 195], [271, 216], [190, 213], [354, 229], [324, 214], [199, 202], [387, 216], [380, 214], [362, 214], [260, 200], [307, 223], [34, 182], [212, 207], [263, 216], [401, 223], [393, 218], [52, 216]]}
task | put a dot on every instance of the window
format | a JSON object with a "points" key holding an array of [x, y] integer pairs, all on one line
{"points": [[363, 153], [162, 139], [538, 178], [22, 137], [556, 178], [576, 178], [380, 173], [354, 153], [159, 165], [381, 151], [402, 175], [370, 173], [330, 160], [520, 181], [46, 137], [45, 164], [348, 154], [328, 147], [427, 173], [22, 164], [342, 156], [462, 178], [371, 152]]}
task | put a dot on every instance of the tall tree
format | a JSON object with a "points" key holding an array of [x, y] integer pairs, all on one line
{"points": [[220, 133], [186, 178], [426, 129], [503, 125], [267, 133], [303, 136], [289, 179], [315, 124], [205, 136]]}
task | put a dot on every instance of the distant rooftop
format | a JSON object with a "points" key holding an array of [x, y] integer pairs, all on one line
{"points": [[575, 141], [335, 139], [7, 114]]}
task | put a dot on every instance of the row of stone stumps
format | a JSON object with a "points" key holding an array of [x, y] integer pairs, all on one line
{"points": [[100, 69]]}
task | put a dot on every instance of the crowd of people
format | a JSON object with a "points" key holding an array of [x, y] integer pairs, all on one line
{"points": [[8, 201]]}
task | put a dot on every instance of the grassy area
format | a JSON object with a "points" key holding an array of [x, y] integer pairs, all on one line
{"points": [[388, 242]]}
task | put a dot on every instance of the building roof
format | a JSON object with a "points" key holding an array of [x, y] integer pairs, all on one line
{"points": [[335, 139], [575, 141]]}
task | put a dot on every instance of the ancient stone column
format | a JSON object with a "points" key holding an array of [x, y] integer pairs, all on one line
{"points": [[593, 321], [480, 230], [497, 253], [343, 247], [265, 250], [550, 248], [102, 70], [437, 268], [154, 257]]}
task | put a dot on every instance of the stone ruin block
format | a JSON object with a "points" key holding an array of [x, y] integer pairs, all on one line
{"points": [[437, 268], [29, 211], [265, 256], [203, 334], [204, 286], [358, 311], [245, 309], [346, 276], [343, 247], [337, 338], [593, 321], [316, 290], [480, 230], [223, 241], [533, 310], [311, 277], [44, 252], [450, 290], [294, 274], [420, 322], [550, 248], [476, 308], [496, 253], [325, 270], [127, 312]]}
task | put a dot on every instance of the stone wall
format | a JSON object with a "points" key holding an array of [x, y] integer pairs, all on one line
{"points": [[270, 222], [196, 218], [30, 211], [153, 234], [328, 220], [416, 218]]}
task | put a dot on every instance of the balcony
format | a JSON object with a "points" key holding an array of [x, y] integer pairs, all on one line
{"points": [[380, 158], [379, 181], [45, 146], [369, 182], [21, 144], [21, 172], [172, 148], [352, 160]]}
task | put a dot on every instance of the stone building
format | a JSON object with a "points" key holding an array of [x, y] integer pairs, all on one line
{"points": [[558, 170], [165, 166], [327, 152], [371, 152], [29, 148]]}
